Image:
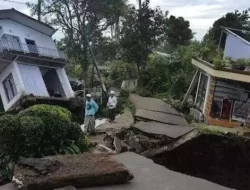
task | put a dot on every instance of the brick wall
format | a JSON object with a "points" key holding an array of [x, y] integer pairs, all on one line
{"points": [[210, 97]]}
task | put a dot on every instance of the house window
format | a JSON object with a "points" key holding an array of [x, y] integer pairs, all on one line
{"points": [[9, 87], [31, 46], [11, 42]]}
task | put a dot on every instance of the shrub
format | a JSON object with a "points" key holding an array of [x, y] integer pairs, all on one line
{"points": [[56, 120], [124, 93], [38, 131], [31, 130], [143, 92], [43, 111]]}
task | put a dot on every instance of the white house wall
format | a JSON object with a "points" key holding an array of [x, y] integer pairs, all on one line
{"points": [[23, 32], [236, 47], [33, 80], [65, 82], [11, 68]]}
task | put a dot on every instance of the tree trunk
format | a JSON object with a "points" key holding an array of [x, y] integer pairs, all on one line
{"points": [[117, 30]]}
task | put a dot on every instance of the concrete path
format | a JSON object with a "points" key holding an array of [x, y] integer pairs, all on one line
{"points": [[173, 131], [150, 176], [152, 104], [125, 120], [161, 118]]}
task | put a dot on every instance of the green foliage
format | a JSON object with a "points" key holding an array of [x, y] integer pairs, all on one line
{"points": [[124, 103], [38, 131], [82, 21], [124, 93], [120, 71], [241, 62], [238, 20], [178, 31], [170, 75], [141, 31], [219, 63], [209, 50], [143, 92]]}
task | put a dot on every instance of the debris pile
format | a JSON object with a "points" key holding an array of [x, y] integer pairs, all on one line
{"points": [[133, 140]]}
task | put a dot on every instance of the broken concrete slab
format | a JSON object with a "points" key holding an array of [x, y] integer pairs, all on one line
{"points": [[172, 131], [161, 117], [152, 104], [124, 121], [67, 188], [151, 176], [81, 171], [117, 144], [9, 186]]}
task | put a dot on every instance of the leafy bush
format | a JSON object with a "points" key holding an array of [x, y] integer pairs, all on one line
{"points": [[219, 63], [124, 93], [56, 121], [38, 131], [122, 71], [143, 92], [124, 103]]}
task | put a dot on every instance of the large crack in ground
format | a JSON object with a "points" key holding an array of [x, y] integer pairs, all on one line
{"points": [[224, 160], [220, 158]]}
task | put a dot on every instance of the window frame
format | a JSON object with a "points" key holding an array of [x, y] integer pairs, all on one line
{"points": [[9, 80]]}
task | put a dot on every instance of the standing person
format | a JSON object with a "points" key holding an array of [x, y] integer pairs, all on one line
{"points": [[112, 102], [91, 108]]}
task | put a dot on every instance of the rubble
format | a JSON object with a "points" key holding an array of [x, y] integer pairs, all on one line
{"points": [[124, 140]]}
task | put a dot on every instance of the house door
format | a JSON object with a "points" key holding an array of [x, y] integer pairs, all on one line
{"points": [[31, 46]]}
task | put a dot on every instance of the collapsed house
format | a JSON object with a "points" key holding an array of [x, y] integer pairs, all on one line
{"points": [[222, 95], [30, 63]]}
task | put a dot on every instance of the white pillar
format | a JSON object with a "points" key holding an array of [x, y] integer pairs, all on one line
{"points": [[207, 93], [65, 82]]}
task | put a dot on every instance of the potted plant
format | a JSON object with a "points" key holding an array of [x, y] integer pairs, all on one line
{"points": [[219, 63], [240, 64]]}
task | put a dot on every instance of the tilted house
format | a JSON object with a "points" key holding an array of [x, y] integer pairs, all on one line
{"points": [[223, 94], [30, 63]]}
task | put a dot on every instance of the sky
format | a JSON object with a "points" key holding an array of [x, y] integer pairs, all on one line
{"points": [[200, 13]]}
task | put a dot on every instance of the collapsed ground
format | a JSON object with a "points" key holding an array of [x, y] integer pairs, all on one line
{"points": [[156, 131], [221, 157]]}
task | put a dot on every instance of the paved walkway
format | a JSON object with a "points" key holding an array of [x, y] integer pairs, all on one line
{"points": [[150, 176], [161, 118], [172, 131], [125, 120]]}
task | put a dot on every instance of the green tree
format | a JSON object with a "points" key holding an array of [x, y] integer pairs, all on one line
{"points": [[177, 32], [140, 33], [80, 21], [237, 20]]}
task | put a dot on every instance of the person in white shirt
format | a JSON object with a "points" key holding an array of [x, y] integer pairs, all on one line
{"points": [[112, 102]]}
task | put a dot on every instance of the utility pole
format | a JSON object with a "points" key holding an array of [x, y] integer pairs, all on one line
{"points": [[140, 4], [39, 5], [96, 67]]}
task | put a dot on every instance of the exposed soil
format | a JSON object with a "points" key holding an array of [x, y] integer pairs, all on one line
{"points": [[134, 140], [224, 160]]}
